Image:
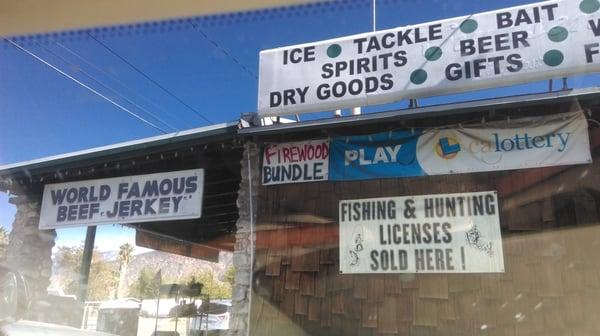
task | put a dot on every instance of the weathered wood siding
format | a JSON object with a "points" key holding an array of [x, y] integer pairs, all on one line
{"points": [[551, 241]]}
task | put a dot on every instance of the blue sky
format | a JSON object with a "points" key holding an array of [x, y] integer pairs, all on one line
{"points": [[211, 69]]}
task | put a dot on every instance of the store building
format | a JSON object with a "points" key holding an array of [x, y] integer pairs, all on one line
{"points": [[548, 218], [478, 217], [549, 235], [215, 149]]}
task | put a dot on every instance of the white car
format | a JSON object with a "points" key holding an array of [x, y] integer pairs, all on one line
{"points": [[212, 316]]}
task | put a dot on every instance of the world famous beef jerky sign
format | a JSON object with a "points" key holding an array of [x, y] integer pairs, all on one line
{"points": [[445, 233], [515, 45], [120, 200]]}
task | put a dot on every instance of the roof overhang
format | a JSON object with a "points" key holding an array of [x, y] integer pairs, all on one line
{"points": [[429, 111], [119, 150]]}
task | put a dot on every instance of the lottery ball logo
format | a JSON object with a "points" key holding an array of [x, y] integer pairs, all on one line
{"points": [[447, 147]]}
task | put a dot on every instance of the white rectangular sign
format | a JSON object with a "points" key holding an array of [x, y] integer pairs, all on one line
{"points": [[445, 233], [127, 199], [538, 41], [553, 140], [292, 162]]}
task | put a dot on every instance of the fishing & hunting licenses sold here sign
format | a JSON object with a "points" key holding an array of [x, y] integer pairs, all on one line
{"points": [[120, 200], [533, 42], [444, 233]]}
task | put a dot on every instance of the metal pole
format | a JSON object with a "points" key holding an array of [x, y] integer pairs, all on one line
{"points": [[86, 262], [156, 319], [176, 309], [374, 15]]}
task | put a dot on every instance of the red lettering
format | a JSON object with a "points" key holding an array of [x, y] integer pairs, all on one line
{"points": [[302, 153], [310, 152], [269, 153], [325, 151], [286, 155]]}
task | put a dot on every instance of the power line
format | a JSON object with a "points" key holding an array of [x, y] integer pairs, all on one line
{"points": [[84, 85], [85, 73], [224, 51], [114, 78], [149, 78]]}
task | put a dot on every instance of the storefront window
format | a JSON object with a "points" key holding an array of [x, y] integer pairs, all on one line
{"points": [[327, 168]]}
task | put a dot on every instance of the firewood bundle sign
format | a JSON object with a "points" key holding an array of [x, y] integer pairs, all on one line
{"points": [[119, 200], [443, 233], [508, 46]]}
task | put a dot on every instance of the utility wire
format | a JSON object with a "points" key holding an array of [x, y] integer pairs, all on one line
{"points": [[224, 51], [84, 85], [114, 78], [149, 78], [89, 76]]}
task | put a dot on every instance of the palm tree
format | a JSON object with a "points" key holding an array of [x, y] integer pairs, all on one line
{"points": [[125, 254]]}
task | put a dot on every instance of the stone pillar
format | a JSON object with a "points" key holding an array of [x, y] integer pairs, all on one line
{"points": [[30, 250], [242, 261]]}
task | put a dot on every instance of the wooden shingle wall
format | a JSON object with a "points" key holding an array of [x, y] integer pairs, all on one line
{"points": [[551, 242]]}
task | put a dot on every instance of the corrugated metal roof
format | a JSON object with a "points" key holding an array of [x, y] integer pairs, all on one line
{"points": [[106, 152], [231, 129], [426, 111]]}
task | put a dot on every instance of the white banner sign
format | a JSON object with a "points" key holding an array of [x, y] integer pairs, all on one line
{"points": [[539, 41], [120, 200], [292, 162], [445, 233], [535, 142]]}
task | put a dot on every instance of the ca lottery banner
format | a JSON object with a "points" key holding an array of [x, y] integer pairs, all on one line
{"points": [[121, 200], [294, 162], [560, 139], [444, 233], [508, 46]]}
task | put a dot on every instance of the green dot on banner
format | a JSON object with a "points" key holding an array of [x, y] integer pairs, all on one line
{"points": [[553, 57], [589, 6], [433, 53], [468, 26], [558, 34], [334, 50], [418, 76]]}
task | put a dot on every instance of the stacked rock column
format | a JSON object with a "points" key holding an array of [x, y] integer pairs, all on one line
{"points": [[242, 260], [30, 250]]}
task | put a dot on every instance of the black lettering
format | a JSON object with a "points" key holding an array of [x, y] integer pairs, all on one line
{"points": [[191, 184], [467, 47], [453, 71], [374, 261], [428, 207], [400, 58], [359, 44], [124, 208], [83, 191], [591, 49], [503, 20], [136, 207], [163, 205], [386, 82], [447, 229], [58, 196], [515, 62], [61, 214]]}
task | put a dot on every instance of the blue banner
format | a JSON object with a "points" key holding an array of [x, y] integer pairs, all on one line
{"points": [[524, 143], [381, 155]]}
